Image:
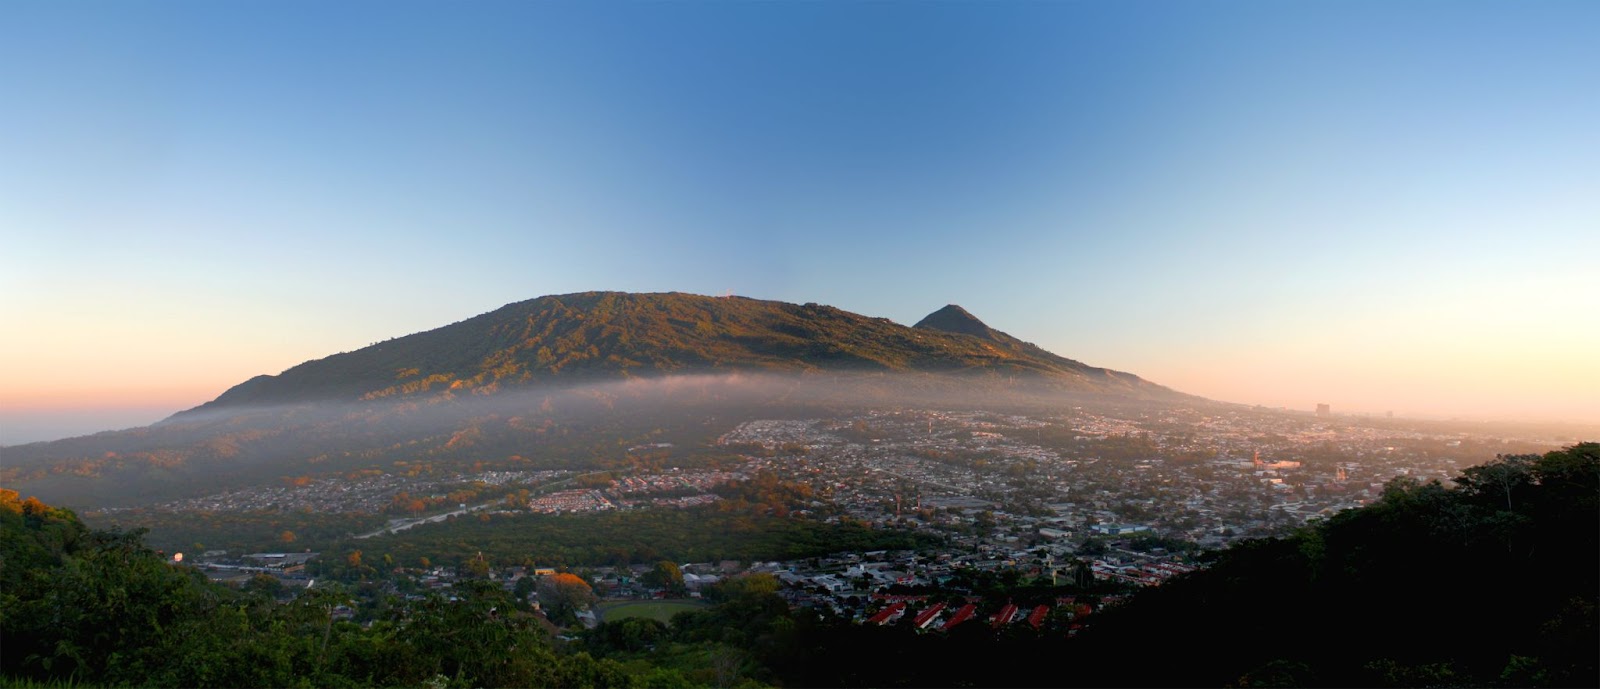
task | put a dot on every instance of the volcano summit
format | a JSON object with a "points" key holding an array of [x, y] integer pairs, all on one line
{"points": [[616, 335]]}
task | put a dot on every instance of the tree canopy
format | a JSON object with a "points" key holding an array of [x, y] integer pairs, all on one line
{"points": [[102, 608]]}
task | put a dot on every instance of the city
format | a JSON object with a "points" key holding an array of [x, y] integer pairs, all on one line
{"points": [[1126, 499]]}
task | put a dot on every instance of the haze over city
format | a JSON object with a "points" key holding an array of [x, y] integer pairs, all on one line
{"points": [[1376, 206]]}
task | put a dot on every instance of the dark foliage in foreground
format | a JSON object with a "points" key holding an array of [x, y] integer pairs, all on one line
{"points": [[98, 608], [1492, 583]]}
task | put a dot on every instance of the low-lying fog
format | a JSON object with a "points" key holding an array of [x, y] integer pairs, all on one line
{"points": [[251, 443]]}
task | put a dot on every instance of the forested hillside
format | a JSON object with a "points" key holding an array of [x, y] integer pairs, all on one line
{"points": [[614, 335]]}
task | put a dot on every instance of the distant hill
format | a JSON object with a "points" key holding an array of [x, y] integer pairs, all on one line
{"points": [[612, 335]]}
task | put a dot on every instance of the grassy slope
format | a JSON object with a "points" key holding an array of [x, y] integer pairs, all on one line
{"points": [[659, 610]]}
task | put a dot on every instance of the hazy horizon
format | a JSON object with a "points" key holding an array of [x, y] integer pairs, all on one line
{"points": [[1376, 206], [26, 425]]}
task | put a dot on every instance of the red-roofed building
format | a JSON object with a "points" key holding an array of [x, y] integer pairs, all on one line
{"points": [[962, 615], [1005, 616], [926, 616], [886, 614], [1037, 618]]}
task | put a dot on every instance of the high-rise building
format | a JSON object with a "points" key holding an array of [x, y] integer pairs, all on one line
{"points": [[1323, 410]]}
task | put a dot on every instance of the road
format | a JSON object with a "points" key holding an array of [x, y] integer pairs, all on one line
{"points": [[398, 525]]}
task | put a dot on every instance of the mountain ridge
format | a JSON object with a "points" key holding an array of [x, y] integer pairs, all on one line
{"points": [[588, 336]]}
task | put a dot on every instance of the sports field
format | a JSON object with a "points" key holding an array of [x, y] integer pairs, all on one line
{"points": [[662, 610]]}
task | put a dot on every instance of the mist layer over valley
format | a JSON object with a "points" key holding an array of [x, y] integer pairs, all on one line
{"points": [[571, 427]]}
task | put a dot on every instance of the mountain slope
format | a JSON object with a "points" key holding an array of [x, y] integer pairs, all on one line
{"points": [[552, 382], [610, 335]]}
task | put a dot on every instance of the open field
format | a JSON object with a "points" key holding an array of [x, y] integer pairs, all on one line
{"points": [[661, 610]]}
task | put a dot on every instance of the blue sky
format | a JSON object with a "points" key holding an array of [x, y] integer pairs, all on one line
{"points": [[1376, 205]]}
